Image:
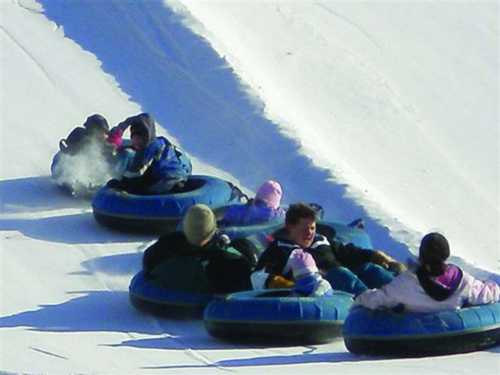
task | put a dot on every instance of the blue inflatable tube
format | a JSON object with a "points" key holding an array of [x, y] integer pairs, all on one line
{"points": [[160, 213], [345, 234], [274, 315], [244, 231], [146, 296], [384, 332]]}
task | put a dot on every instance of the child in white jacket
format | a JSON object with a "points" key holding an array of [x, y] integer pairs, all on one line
{"points": [[434, 287]]}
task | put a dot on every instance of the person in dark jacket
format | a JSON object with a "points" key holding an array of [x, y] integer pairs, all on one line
{"points": [[94, 131], [198, 258], [346, 267], [155, 166], [87, 158]]}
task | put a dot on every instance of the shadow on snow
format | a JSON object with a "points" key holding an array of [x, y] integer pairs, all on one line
{"points": [[69, 229], [119, 264], [279, 360], [190, 90], [34, 194], [108, 311]]}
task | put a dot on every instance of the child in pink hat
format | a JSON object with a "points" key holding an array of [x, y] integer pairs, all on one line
{"points": [[265, 207], [270, 194]]}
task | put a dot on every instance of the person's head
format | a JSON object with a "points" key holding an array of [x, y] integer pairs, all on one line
{"points": [[142, 131], [199, 225], [433, 252], [300, 223], [97, 126], [139, 139], [270, 194], [302, 264]]}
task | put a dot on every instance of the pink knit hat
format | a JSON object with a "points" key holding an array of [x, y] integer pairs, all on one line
{"points": [[302, 263], [270, 192]]}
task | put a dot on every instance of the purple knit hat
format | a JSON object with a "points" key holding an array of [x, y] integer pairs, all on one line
{"points": [[302, 263], [270, 193]]}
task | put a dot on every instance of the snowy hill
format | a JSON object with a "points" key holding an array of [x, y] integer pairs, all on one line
{"points": [[387, 111]]}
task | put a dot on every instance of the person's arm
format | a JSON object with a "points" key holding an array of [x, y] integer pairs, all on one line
{"points": [[232, 215], [115, 136], [323, 255], [482, 292], [387, 296], [138, 176], [247, 249], [350, 255], [386, 261], [143, 160]]}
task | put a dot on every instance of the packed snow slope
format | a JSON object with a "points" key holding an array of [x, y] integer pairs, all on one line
{"points": [[382, 110], [400, 101]]}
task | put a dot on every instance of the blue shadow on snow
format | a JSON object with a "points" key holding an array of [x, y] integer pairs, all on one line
{"points": [[176, 75], [110, 311], [33, 194], [279, 360], [119, 264], [69, 229]]}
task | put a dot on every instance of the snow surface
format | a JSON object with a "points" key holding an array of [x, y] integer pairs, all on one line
{"points": [[385, 110]]}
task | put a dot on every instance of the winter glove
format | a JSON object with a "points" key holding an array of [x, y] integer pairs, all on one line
{"points": [[397, 267], [247, 249], [278, 282], [381, 258], [384, 260]]}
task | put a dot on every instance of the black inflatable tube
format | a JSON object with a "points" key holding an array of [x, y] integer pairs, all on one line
{"points": [[416, 334], [431, 345], [170, 310], [147, 297], [286, 333], [277, 316]]}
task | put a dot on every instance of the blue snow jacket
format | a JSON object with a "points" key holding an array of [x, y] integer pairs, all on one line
{"points": [[159, 167]]}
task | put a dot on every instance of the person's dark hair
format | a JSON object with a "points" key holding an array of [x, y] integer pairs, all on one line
{"points": [[143, 124], [299, 211], [96, 124], [434, 250], [139, 130]]}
